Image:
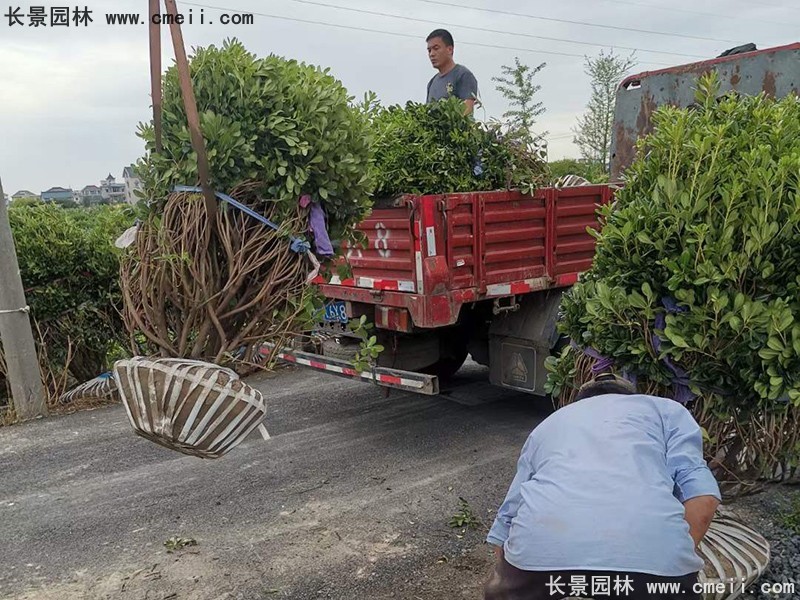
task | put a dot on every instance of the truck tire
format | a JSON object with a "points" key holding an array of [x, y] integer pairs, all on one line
{"points": [[453, 351], [447, 366], [340, 349], [408, 352]]}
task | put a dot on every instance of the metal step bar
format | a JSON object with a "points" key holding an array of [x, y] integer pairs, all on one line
{"points": [[408, 381]]}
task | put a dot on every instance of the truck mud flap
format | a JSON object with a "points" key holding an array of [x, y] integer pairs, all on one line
{"points": [[408, 381]]}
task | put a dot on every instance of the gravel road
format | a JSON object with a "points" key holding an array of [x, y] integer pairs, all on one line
{"points": [[350, 498]]}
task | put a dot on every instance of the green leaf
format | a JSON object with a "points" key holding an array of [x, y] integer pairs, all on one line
{"points": [[768, 354], [775, 343], [675, 338]]}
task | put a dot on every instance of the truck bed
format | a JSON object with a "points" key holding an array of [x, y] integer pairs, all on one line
{"points": [[432, 254]]}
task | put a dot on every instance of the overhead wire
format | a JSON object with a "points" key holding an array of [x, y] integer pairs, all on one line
{"points": [[769, 5], [399, 34], [502, 32], [582, 23], [675, 9]]}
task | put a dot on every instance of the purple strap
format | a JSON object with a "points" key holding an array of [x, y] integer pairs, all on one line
{"points": [[680, 381], [602, 363], [316, 225]]}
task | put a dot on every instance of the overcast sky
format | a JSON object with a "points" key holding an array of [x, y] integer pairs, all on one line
{"points": [[70, 98]]}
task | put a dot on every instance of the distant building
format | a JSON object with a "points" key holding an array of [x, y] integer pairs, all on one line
{"points": [[24, 194], [111, 190], [6, 198], [132, 184], [91, 194], [57, 193]]}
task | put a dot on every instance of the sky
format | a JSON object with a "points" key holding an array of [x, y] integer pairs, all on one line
{"points": [[71, 97]]}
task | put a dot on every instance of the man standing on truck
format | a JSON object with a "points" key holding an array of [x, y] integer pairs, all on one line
{"points": [[452, 79], [611, 498]]}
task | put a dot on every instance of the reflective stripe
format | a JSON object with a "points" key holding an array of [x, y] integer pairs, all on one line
{"points": [[387, 379], [370, 283], [517, 287]]}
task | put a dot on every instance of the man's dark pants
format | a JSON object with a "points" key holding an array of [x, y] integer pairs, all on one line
{"points": [[510, 583]]}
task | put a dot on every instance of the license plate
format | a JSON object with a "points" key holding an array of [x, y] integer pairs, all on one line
{"points": [[336, 312]]}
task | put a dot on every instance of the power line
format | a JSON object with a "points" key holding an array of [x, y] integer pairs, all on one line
{"points": [[395, 33], [528, 35], [695, 12], [554, 20], [771, 5]]}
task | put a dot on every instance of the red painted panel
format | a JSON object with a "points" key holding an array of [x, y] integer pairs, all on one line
{"points": [[461, 212], [480, 239], [513, 234], [575, 210], [387, 253]]}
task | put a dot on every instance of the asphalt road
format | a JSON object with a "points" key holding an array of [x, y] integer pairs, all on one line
{"points": [[350, 498]]}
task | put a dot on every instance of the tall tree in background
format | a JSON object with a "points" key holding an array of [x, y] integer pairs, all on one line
{"points": [[593, 131], [516, 85]]}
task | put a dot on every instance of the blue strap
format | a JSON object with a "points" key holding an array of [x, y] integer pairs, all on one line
{"points": [[297, 245]]}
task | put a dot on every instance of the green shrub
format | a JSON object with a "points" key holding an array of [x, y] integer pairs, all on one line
{"points": [[70, 270], [705, 236], [434, 148], [287, 125]]}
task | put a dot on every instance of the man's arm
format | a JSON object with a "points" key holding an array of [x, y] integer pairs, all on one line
{"points": [[467, 90], [470, 106], [695, 485], [498, 534], [699, 512]]}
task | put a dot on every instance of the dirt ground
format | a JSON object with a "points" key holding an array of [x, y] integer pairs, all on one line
{"points": [[350, 498]]}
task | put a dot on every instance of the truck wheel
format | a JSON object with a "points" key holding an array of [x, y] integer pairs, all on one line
{"points": [[447, 366], [340, 349]]}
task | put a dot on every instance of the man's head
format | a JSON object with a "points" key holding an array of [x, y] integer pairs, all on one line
{"points": [[440, 48], [606, 383]]}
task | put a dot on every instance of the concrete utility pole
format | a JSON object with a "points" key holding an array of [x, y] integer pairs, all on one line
{"points": [[16, 335]]}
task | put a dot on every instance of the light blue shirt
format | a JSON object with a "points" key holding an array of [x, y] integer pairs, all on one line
{"points": [[600, 485]]}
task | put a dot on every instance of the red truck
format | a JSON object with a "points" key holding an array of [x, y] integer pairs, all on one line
{"points": [[481, 274]]}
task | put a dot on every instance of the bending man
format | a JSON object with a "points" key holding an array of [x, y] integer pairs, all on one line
{"points": [[611, 498]]}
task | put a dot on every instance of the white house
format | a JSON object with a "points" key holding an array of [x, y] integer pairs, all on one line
{"points": [[24, 194], [91, 194], [57, 193], [111, 190], [132, 184]]}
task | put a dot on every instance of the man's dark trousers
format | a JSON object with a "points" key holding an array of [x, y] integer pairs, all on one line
{"points": [[510, 583]]}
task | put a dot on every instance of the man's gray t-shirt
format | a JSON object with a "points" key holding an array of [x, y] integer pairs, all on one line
{"points": [[458, 82]]}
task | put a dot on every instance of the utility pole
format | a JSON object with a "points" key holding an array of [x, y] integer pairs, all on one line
{"points": [[22, 364]]}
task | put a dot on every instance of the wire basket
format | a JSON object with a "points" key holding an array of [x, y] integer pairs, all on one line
{"points": [[735, 555], [196, 408]]}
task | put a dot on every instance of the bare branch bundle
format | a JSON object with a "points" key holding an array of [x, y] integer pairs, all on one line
{"points": [[201, 296]]}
